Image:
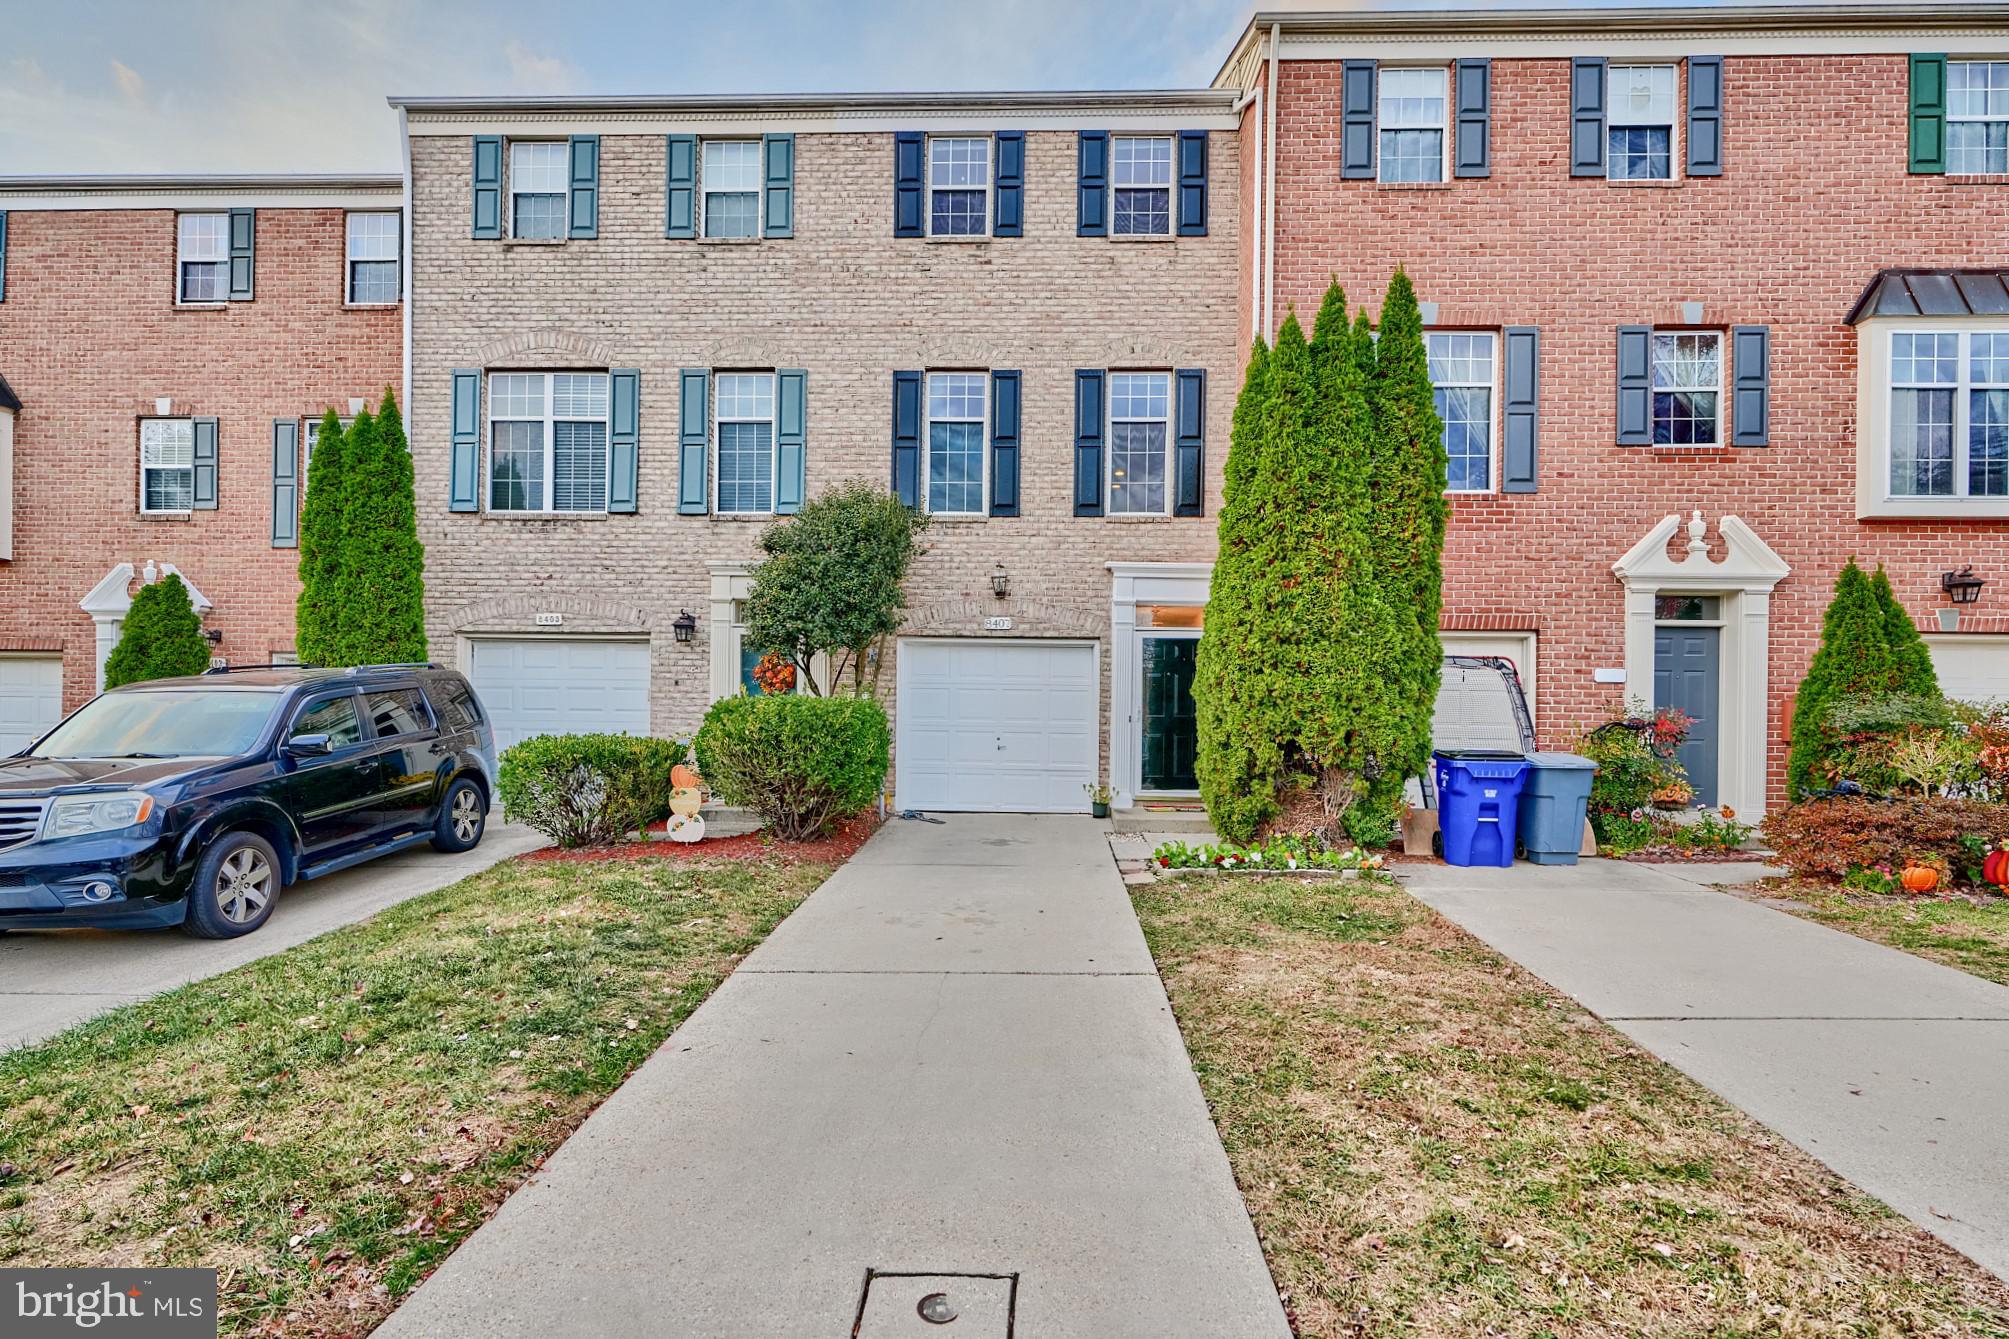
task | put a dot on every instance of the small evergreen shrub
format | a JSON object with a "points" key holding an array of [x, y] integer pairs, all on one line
{"points": [[588, 790], [802, 763], [162, 637], [1827, 838], [1869, 645]]}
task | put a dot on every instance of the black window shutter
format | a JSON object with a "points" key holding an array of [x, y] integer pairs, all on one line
{"points": [[1751, 402], [907, 437], [1089, 384], [1192, 183], [1635, 385], [1091, 210], [1474, 149], [1520, 454], [1356, 119], [910, 149], [1705, 116], [1190, 455], [1004, 443], [1587, 116], [1010, 185]]}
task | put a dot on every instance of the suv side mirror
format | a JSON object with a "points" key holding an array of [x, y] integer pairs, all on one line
{"points": [[309, 746]]}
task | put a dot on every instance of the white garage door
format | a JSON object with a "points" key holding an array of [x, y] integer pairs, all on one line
{"points": [[1007, 726], [559, 686], [1518, 647], [1972, 668], [31, 699]]}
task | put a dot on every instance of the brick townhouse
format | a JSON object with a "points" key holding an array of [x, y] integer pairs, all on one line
{"points": [[643, 328], [167, 347], [1716, 301]]}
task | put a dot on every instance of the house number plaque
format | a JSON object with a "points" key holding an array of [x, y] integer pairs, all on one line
{"points": [[998, 624]]}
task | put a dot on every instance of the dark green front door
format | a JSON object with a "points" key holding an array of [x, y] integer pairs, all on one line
{"points": [[1169, 737]]}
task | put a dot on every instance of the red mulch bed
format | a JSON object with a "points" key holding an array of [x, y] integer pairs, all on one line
{"points": [[842, 843]]}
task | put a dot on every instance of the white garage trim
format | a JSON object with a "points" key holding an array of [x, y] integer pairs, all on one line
{"points": [[31, 699], [1520, 647], [584, 685], [1973, 667], [973, 737]]}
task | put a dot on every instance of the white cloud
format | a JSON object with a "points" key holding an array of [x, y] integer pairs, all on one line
{"points": [[129, 82], [534, 72]]}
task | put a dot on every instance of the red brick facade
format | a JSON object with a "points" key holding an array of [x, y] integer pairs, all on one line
{"points": [[91, 336], [1814, 199]]}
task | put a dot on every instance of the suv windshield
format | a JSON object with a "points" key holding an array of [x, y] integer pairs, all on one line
{"points": [[182, 723]]}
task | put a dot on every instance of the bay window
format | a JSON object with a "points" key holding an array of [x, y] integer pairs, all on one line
{"points": [[1949, 414]]}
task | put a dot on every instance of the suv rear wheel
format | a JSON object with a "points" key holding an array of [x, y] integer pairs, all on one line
{"points": [[236, 886], [462, 816]]}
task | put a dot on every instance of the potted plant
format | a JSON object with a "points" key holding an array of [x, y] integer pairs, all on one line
{"points": [[1099, 796]]}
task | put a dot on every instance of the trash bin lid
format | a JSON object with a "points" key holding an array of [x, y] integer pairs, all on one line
{"points": [[1562, 762], [1482, 755]]}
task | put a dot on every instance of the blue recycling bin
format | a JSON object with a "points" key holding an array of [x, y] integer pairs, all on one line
{"points": [[1555, 796], [1478, 804]]}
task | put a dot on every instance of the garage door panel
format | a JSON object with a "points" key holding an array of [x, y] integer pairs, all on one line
{"points": [[31, 699], [1008, 726], [558, 687], [1971, 668]]}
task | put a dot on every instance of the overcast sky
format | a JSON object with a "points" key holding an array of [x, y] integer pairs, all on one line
{"points": [[92, 86]]}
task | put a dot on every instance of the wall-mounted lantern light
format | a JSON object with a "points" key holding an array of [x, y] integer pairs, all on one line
{"points": [[1961, 587], [686, 624], [1000, 582]]}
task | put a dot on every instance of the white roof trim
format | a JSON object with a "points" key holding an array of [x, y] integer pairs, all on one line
{"points": [[243, 192]]}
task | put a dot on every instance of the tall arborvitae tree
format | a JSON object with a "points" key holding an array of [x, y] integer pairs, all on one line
{"points": [[1868, 645], [323, 523], [383, 563], [162, 637]]}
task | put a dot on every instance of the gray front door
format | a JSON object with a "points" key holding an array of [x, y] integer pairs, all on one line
{"points": [[1687, 672]]}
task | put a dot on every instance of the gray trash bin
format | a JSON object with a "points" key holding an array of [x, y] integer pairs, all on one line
{"points": [[1554, 799]]}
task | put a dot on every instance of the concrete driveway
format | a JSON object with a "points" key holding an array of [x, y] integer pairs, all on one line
{"points": [[53, 979], [954, 1065], [1892, 1070]]}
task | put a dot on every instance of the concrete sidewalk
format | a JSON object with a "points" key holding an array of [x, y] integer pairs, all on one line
{"points": [[1892, 1070], [954, 1059]]}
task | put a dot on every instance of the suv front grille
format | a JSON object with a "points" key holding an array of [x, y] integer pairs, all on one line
{"points": [[20, 820]]}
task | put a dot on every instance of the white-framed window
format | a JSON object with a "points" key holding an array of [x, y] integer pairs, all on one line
{"points": [[729, 176], [744, 446], [1413, 113], [1140, 179], [955, 437], [1140, 415], [959, 185], [310, 437], [1639, 122], [1977, 116], [538, 181], [373, 258], [202, 246], [1687, 367], [1463, 374], [1949, 413], [547, 441], [167, 465]]}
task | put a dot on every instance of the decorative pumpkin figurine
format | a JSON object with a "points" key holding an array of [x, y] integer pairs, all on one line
{"points": [[1995, 868], [1918, 878], [687, 796]]}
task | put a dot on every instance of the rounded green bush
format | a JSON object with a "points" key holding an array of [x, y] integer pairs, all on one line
{"points": [[588, 790], [801, 763]]}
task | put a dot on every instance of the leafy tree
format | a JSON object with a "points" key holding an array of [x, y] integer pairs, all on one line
{"points": [[1868, 645], [382, 597], [831, 582], [322, 525], [162, 637]]}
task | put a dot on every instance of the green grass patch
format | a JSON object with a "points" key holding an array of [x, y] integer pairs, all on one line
{"points": [[325, 1125], [1970, 933]]}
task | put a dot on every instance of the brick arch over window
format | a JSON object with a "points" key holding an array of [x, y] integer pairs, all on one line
{"points": [[958, 351], [510, 613], [965, 618], [1142, 353], [741, 352], [547, 346]]}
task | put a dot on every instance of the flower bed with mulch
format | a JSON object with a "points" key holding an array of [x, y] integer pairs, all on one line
{"points": [[835, 849]]}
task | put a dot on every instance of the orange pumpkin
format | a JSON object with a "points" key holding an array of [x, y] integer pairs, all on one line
{"points": [[1995, 869], [684, 778], [1919, 878]]}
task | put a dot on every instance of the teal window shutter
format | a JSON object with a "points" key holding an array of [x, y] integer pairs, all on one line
{"points": [[1928, 114], [907, 437], [243, 247], [487, 186], [693, 441], [285, 483], [583, 198], [3, 255], [680, 186], [624, 439], [464, 485], [1635, 385], [791, 436], [1089, 384], [1189, 497], [1005, 403], [205, 465], [777, 162]]}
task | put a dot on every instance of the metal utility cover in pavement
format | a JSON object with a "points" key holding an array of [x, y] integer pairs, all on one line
{"points": [[936, 1306]]}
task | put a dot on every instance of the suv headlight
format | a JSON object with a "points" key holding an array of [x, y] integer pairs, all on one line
{"points": [[81, 815]]}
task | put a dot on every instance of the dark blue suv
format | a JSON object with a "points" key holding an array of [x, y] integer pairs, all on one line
{"points": [[193, 802]]}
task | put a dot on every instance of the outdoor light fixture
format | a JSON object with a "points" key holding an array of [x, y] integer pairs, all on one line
{"points": [[686, 624], [1962, 587], [215, 635], [1000, 582]]}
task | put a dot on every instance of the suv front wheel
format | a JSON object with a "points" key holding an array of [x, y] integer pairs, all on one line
{"points": [[236, 886]]}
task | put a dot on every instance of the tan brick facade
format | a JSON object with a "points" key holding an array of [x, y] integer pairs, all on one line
{"points": [[845, 300], [91, 337]]}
